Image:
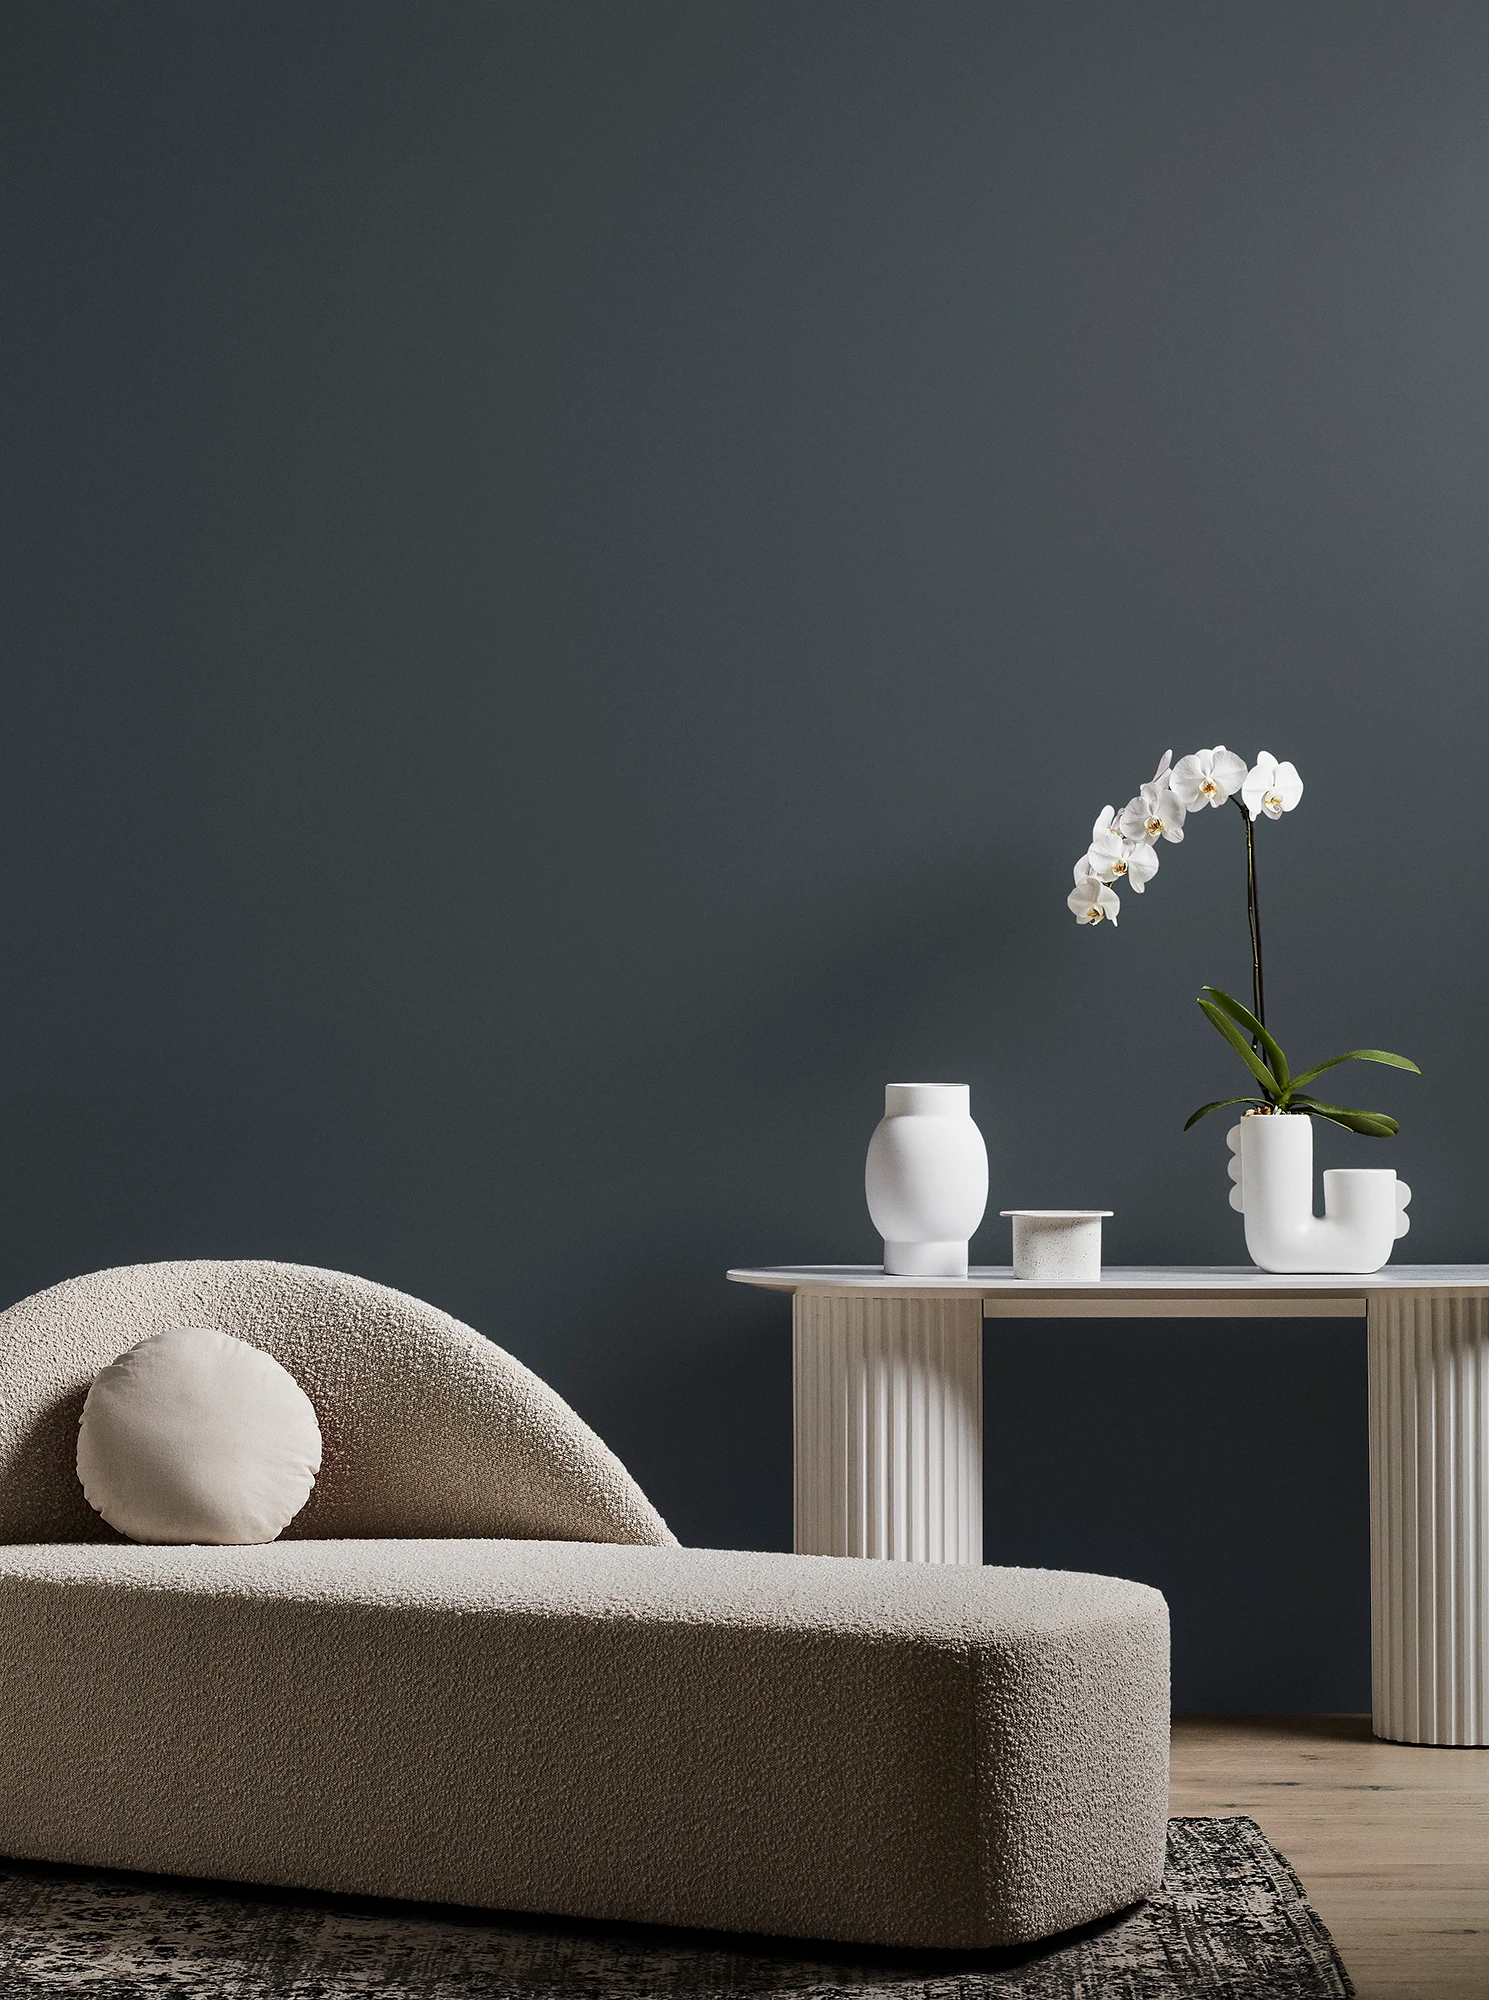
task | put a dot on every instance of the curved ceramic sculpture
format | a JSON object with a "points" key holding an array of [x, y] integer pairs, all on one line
{"points": [[1272, 1167], [926, 1179]]}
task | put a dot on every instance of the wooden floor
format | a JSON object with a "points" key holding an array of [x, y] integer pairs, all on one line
{"points": [[1391, 1841]]}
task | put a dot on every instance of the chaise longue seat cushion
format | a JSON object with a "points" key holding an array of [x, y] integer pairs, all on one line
{"points": [[799, 1745]]}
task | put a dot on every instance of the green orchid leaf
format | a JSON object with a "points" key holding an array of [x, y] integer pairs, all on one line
{"points": [[1241, 1046], [1369, 1124], [1276, 1060], [1361, 1123], [1356, 1055], [1219, 1105]]}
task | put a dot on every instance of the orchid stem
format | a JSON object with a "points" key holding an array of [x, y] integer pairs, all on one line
{"points": [[1253, 913]]}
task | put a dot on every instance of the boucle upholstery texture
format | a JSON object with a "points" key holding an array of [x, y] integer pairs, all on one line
{"points": [[805, 1745], [427, 1427]]}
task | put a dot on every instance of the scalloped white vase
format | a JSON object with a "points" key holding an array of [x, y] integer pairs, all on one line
{"points": [[926, 1179], [1272, 1167]]}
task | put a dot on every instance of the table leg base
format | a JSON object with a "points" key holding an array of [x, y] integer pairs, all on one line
{"points": [[888, 1413], [1429, 1527]]}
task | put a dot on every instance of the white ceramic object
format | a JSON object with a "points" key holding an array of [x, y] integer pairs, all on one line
{"points": [[1272, 1167], [1057, 1246], [926, 1179], [887, 1395]]}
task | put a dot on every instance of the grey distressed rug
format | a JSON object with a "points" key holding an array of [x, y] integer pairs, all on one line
{"points": [[1232, 1923]]}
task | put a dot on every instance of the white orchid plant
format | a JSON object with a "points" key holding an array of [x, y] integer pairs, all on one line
{"points": [[1124, 848]]}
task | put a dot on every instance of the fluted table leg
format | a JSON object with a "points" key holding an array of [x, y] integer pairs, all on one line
{"points": [[1429, 1517], [888, 1415]]}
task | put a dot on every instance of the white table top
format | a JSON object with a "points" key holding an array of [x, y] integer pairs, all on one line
{"points": [[997, 1280], [1124, 1287]]}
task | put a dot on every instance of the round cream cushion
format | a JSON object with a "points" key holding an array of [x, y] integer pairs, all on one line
{"points": [[193, 1436]]}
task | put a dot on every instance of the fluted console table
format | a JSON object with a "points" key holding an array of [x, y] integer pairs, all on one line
{"points": [[888, 1421]]}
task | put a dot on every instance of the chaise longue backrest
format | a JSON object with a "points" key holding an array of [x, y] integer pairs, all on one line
{"points": [[428, 1428]]}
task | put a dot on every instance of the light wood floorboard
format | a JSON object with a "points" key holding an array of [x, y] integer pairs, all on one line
{"points": [[1391, 1840]]}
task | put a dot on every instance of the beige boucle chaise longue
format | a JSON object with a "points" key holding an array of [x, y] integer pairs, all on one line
{"points": [[478, 1669]]}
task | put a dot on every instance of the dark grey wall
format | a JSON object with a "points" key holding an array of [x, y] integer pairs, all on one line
{"points": [[576, 575]]}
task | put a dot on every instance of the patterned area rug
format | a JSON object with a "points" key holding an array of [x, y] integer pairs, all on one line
{"points": [[1232, 1924]]}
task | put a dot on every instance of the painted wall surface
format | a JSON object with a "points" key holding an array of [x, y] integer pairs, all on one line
{"points": [[575, 577]]}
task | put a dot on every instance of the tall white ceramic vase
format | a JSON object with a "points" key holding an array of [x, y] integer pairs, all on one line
{"points": [[926, 1179], [1272, 1167]]}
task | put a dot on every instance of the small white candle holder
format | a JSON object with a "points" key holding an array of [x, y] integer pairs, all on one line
{"points": [[1057, 1246]]}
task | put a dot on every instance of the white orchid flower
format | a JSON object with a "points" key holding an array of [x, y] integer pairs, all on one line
{"points": [[1124, 845], [1270, 787], [1106, 857], [1142, 865], [1109, 857], [1154, 813], [1207, 778], [1091, 900]]}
